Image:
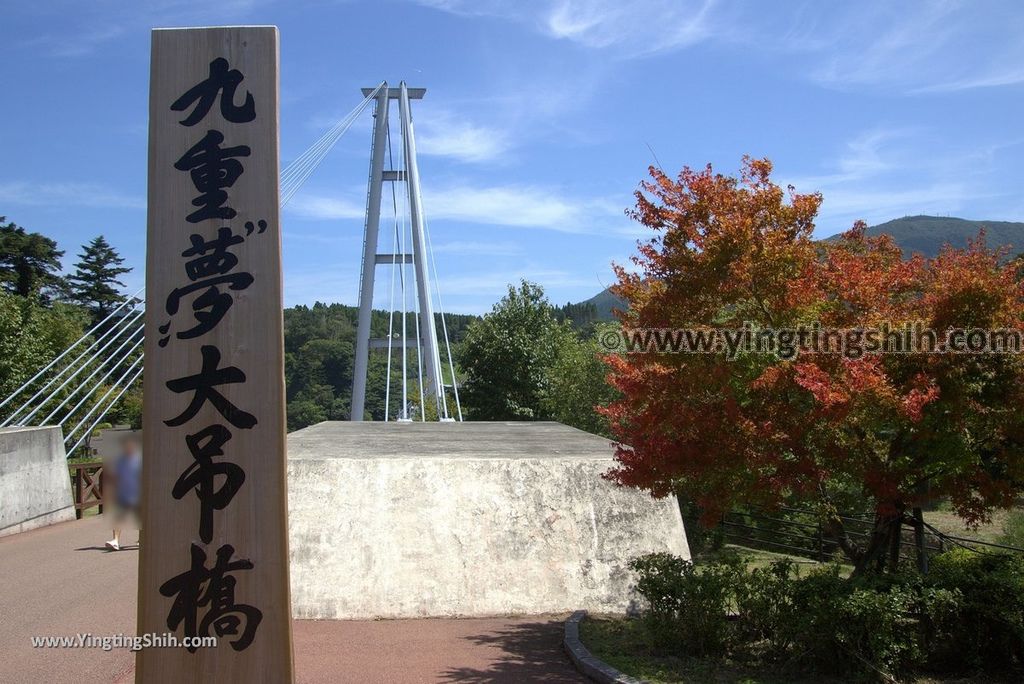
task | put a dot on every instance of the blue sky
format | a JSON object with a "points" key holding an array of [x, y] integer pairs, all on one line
{"points": [[539, 121]]}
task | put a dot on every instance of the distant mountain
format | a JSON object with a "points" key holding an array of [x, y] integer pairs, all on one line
{"points": [[927, 234], [914, 234], [604, 301]]}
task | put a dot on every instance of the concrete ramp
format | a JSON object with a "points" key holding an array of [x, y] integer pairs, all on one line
{"points": [[35, 486], [397, 520]]}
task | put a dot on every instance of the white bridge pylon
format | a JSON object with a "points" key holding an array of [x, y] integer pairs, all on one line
{"points": [[408, 248]]}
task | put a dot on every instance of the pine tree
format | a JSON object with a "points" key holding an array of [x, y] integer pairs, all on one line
{"points": [[96, 274], [29, 263]]}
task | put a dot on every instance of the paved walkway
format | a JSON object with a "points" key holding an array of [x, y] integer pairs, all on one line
{"points": [[60, 581]]}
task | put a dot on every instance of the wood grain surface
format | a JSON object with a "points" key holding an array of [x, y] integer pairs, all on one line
{"points": [[248, 337]]}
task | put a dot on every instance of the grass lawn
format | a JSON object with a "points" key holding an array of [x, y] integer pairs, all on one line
{"points": [[759, 558], [945, 520], [753, 558]]}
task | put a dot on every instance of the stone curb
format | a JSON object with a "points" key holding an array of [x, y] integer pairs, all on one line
{"points": [[595, 669]]}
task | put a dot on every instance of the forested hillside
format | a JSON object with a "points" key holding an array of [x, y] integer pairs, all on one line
{"points": [[319, 343]]}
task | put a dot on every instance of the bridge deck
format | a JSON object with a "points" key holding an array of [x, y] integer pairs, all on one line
{"points": [[61, 581]]}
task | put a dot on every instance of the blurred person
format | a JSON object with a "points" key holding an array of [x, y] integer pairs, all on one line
{"points": [[124, 484]]}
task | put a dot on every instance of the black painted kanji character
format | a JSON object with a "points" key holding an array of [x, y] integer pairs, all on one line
{"points": [[213, 589], [212, 169], [201, 475], [224, 82], [203, 384], [209, 307], [212, 261], [212, 256]]}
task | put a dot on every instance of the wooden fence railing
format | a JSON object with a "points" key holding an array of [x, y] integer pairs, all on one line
{"points": [[87, 486]]}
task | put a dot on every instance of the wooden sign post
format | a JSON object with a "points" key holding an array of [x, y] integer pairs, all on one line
{"points": [[214, 551]]}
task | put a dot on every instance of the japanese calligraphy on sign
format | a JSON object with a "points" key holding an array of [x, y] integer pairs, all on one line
{"points": [[214, 559]]}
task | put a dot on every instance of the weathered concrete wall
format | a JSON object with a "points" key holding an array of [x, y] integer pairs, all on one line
{"points": [[35, 488], [397, 520]]}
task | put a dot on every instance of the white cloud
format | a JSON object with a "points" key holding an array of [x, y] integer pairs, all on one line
{"points": [[517, 205], [67, 195], [631, 28], [887, 173], [931, 46], [444, 135], [937, 46], [992, 79], [636, 27], [521, 206]]}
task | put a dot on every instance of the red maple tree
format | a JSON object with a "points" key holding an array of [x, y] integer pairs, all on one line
{"points": [[898, 429]]}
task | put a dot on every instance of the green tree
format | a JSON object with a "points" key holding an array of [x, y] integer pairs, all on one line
{"points": [[29, 263], [128, 409], [755, 428], [93, 283], [576, 383], [304, 412], [507, 357], [31, 335]]}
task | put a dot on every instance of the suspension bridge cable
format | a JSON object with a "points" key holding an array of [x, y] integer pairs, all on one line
{"points": [[306, 169], [312, 150], [85, 364], [100, 403], [99, 384], [119, 327], [391, 326], [105, 411], [444, 326], [293, 170], [73, 345], [113, 354], [419, 360]]}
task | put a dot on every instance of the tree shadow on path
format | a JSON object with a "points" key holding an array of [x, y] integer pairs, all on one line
{"points": [[526, 652]]}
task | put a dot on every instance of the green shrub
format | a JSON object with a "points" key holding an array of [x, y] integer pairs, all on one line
{"points": [[767, 607], [878, 630], [810, 632], [988, 630], [968, 614], [688, 610]]}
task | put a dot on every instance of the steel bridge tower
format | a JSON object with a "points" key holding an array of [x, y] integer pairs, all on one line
{"points": [[433, 389]]}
